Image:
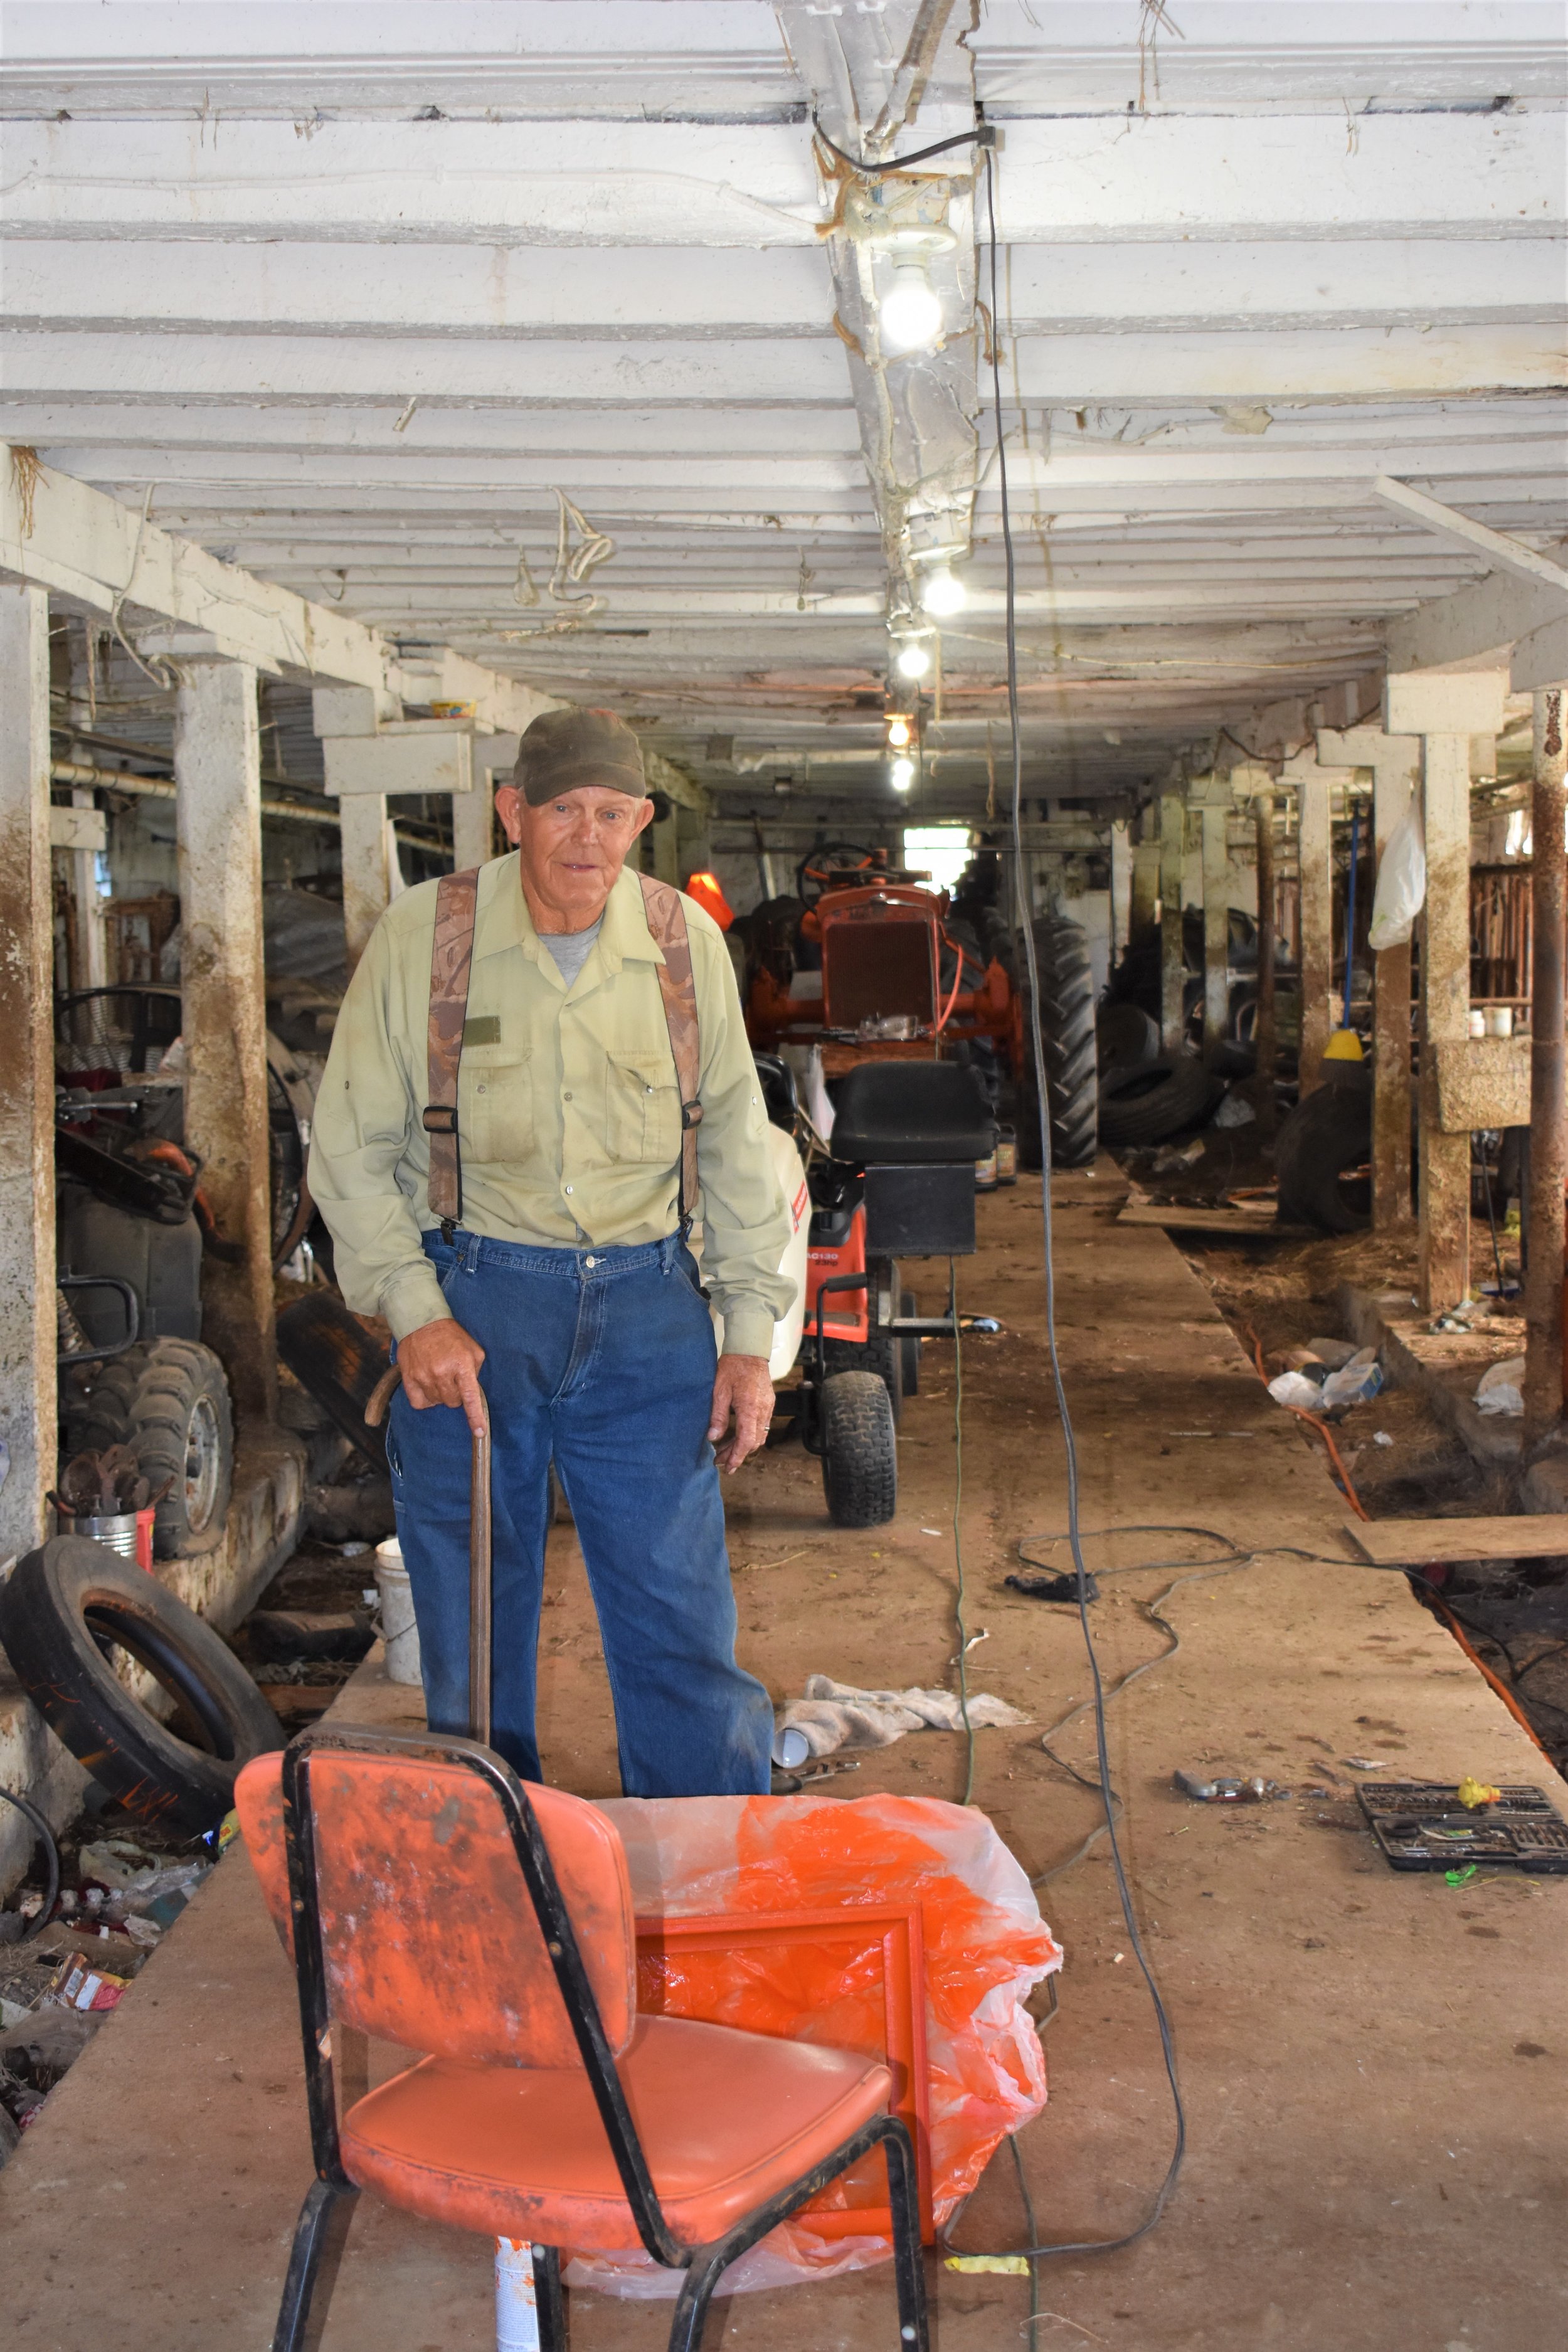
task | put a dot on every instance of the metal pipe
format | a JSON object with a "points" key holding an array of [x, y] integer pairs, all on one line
{"points": [[1548, 1080], [1266, 1031]]}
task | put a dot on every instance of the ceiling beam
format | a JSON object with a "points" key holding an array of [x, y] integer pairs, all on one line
{"points": [[1507, 554]]}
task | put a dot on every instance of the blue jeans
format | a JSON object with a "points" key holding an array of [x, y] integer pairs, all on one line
{"points": [[602, 1360]]}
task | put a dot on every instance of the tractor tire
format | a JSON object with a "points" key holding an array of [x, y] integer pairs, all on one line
{"points": [[1146, 1105], [880, 1354], [859, 1450], [1325, 1137], [168, 1401], [1067, 1035], [61, 1612], [1125, 1037]]}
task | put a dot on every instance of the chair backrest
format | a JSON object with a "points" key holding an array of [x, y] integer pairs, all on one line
{"points": [[429, 1933]]}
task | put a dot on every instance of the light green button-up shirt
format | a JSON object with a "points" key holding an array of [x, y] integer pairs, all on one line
{"points": [[568, 1109]]}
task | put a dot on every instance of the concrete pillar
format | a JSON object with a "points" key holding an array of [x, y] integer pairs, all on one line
{"points": [[367, 874], [1548, 1077], [1142, 922], [1314, 787], [1395, 764], [91, 947], [473, 821], [1267, 1030], [28, 1343], [1445, 711], [1215, 819], [1120, 889], [1172, 858], [218, 779]]}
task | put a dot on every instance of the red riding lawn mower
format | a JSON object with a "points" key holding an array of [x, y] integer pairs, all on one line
{"points": [[906, 1029]]}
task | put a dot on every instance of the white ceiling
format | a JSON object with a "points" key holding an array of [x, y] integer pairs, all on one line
{"points": [[358, 289]]}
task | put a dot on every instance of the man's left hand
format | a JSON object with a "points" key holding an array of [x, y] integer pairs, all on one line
{"points": [[742, 1386]]}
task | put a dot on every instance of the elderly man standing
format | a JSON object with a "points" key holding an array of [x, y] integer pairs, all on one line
{"points": [[503, 1154]]}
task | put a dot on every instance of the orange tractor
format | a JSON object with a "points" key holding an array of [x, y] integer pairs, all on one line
{"points": [[916, 1030]]}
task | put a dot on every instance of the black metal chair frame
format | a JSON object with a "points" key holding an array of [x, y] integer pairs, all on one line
{"points": [[703, 2265]]}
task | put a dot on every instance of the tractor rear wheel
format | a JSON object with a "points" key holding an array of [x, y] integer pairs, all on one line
{"points": [[1067, 1040], [859, 1451]]}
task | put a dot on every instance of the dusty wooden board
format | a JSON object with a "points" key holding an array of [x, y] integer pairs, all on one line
{"points": [[1400, 1543], [1176, 1219]]}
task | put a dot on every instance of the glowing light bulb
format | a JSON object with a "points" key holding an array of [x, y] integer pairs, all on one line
{"points": [[912, 658], [898, 734], [909, 317], [902, 774], [943, 592]]}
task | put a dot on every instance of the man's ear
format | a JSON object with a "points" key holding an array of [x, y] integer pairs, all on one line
{"points": [[509, 808], [644, 818]]}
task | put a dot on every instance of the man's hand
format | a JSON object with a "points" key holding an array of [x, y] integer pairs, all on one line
{"points": [[440, 1365], [742, 1386]]}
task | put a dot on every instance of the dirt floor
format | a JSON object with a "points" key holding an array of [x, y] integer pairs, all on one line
{"points": [[1373, 2064]]}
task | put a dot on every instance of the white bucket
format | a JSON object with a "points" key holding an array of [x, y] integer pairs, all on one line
{"points": [[398, 1629]]}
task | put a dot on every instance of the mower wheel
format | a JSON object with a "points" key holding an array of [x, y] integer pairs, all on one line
{"points": [[1067, 1035], [168, 1401], [1146, 1105], [859, 1450], [880, 1354]]}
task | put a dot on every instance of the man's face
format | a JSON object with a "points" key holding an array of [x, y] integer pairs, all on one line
{"points": [[573, 847]]}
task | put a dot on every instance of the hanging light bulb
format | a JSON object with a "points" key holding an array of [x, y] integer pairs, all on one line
{"points": [[912, 658], [909, 317], [899, 733], [902, 774], [943, 592]]}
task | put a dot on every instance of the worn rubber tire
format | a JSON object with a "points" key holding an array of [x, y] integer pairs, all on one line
{"points": [[1067, 1034], [880, 1354], [1125, 1036], [58, 1600], [168, 1401], [1329, 1131], [1146, 1105], [859, 1450]]}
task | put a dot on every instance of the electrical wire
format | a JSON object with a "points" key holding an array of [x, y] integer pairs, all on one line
{"points": [[983, 135], [46, 1835], [1093, 2246], [958, 1534]]}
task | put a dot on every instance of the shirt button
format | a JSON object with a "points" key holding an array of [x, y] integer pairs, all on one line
{"points": [[567, 1095], [568, 1190], [479, 1091]]}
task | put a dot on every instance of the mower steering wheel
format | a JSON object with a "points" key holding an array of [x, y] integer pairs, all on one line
{"points": [[831, 863]]}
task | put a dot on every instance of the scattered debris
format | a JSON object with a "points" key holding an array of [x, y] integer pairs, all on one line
{"points": [[1356, 1383], [837, 1715], [1065, 1586], [1171, 1156], [1500, 1389], [1365, 1764], [1251, 1792]]}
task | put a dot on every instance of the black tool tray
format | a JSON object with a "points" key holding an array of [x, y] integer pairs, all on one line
{"points": [[1421, 1825]]}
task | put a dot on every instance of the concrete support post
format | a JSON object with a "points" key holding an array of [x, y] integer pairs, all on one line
{"points": [[1547, 1078], [367, 879], [1444, 1205], [473, 822], [1172, 858], [218, 779], [1395, 764], [1268, 1031], [1120, 889], [1216, 926], [27, 1340], [87, 911]]}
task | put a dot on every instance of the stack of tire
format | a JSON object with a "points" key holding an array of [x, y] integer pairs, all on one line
{"points": [[1145, 1096]]}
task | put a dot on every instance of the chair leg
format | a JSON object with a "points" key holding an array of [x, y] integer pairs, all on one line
{"points": [[708, 2266], [904, 2196], [327, 2202], [550, 2298]]}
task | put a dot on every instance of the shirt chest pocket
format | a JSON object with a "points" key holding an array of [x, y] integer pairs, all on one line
{"points": [[642, 1108], [495, 1105]]}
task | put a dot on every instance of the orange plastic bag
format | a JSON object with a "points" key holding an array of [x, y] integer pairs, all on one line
{"points": [[871, 1882]]}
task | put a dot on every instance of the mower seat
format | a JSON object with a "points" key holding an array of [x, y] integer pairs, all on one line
{"points": [[912, 1114]]}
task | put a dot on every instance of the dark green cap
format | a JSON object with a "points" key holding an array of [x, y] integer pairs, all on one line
{"points": [[565, 750]]}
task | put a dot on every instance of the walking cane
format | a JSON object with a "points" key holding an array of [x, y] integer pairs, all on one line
{"points": [[479, 1554], [523, 2278]]}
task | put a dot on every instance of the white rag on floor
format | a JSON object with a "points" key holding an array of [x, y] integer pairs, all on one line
{"points": [[835, 1715]]}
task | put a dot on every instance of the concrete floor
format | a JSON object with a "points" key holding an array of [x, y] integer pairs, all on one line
{"points": [[1374, 2066]]}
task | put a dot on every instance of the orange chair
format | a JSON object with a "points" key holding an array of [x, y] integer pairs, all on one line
{"points": [[431, 1902]]}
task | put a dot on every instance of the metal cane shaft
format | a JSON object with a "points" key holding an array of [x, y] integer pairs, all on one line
{"points": [[480, 1588]]}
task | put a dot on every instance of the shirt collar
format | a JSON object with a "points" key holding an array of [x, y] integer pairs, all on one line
{"points": [[502, 919]]}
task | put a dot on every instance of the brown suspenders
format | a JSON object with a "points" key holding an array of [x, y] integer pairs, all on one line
{"points": [[451, 961]]}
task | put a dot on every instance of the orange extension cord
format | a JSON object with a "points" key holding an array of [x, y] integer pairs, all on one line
{"points": [[1429, 1592]]}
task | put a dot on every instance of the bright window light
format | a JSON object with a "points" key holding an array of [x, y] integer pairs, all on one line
{"points": [[939, 850], [912, 658], [943, 592]]}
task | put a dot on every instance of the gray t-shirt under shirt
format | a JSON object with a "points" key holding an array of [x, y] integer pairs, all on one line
{"points": [[570, 949]]}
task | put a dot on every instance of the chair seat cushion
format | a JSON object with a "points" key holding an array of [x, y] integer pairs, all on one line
{"points": [[912, 1114], [726, 2119]]}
